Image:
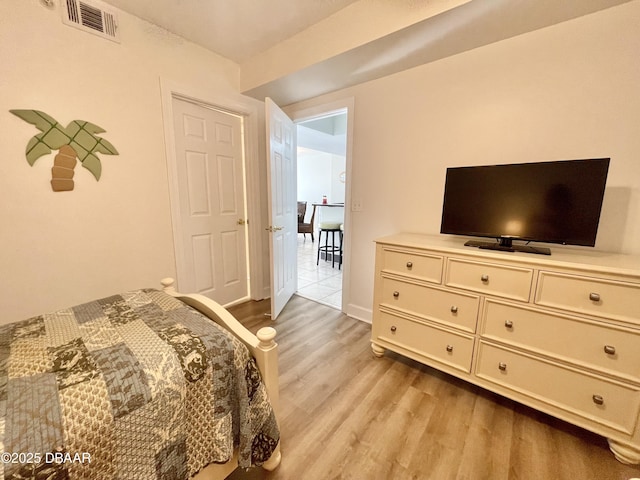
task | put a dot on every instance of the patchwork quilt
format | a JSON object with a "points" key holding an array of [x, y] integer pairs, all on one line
{"points": [[133, 386]]}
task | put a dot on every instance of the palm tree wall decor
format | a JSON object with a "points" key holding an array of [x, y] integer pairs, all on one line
{"points": [[78, 141]]}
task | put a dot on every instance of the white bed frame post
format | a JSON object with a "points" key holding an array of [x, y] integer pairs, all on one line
{"points": [[262, 346]]}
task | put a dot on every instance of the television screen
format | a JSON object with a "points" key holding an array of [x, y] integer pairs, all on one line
{"points": [[554, 202]]}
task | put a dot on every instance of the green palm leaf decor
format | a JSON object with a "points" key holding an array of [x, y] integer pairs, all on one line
{"points": [[78, 141]]}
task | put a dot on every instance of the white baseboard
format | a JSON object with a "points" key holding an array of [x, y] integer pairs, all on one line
{"points": [[359, 313]]}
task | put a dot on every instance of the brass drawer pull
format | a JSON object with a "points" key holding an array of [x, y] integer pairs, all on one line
{"points": [[393, 328], [609, 349], [409, 264], [508, 324], [396, 294], [449, 348], [484, 278], [594, 297], [502, 367], [454, 309], [598, 400]]}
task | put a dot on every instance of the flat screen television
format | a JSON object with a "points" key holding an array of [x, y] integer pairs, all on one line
{"points": [[551, 202]]}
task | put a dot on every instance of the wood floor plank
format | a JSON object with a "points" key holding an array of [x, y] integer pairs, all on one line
{"points": [[349, 415]]}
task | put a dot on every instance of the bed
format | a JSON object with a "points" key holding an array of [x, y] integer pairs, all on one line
{"points": [[145, 384]]}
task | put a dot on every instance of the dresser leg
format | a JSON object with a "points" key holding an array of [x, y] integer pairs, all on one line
{"points": [[625, 453], [377, 350]]}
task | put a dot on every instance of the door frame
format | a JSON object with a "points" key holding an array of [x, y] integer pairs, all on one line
{"points": [[317, 108], [246, 108]]}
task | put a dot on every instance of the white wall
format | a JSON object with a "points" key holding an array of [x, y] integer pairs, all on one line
{"points": [[318, 175], [567, 91], [59, 249], [314, 177], [338, 166]]}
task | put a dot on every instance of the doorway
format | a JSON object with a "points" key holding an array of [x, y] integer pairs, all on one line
{"points": [[321, 177]]}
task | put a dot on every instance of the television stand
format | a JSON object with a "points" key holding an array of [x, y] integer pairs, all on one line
{"points": [[558, 333], [506, 245]]}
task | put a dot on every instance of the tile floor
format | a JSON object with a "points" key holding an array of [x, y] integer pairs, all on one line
{"points": [[317, 282]]}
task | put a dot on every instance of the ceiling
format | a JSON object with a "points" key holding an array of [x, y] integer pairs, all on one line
{"points": [[214, 24], [326, 134]]}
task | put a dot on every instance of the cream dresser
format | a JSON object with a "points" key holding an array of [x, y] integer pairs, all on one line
{"points": [[559, 333]]}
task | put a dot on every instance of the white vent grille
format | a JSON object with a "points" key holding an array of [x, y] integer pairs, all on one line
{"points": [[91, 17]]}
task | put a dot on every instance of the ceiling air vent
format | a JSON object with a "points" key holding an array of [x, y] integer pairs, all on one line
{"points": [[91, 17]]}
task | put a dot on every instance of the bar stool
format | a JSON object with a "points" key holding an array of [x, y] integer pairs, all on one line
{"points": [[333, 249]]}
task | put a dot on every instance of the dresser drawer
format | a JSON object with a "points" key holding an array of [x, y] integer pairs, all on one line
{"points": [[499, 280], [592, 296], [427, 341], [612, 349], [415, 264], [604, 401], [456, 309]]}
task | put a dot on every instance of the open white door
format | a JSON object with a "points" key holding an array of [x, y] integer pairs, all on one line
{"points": [[283, 220]]}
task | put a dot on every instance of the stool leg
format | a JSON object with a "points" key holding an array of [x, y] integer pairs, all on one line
{"points": [[333, 248], [319, 246], [326, 245], [341, 235]]}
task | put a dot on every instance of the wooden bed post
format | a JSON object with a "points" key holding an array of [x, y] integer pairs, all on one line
{"points": [[267, 356], [262, 346]]}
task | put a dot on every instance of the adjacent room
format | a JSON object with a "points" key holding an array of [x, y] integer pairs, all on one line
{"points": [[321, 175], [296, 180]]}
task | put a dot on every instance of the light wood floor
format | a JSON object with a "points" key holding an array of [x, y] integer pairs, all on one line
{"points": [[348, 415]]}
